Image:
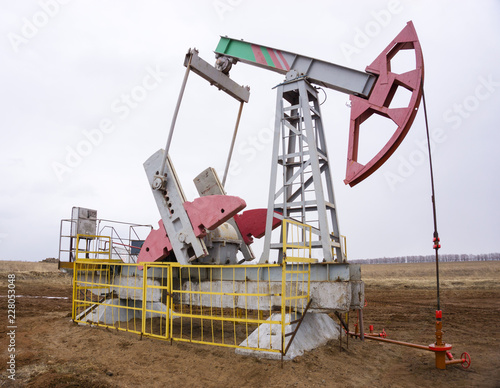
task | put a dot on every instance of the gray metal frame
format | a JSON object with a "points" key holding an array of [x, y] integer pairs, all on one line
{"points": [[306, 192], [208, 183], [170, 200], [121, 247], [216, 77], [327, 74]]}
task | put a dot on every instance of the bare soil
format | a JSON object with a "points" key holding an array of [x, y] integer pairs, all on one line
{"points": [[51, 351]]}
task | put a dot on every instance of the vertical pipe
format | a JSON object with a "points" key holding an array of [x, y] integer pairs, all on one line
{"points": [[361, 325], [231, 148], [75, 291], [283, 309], [211, 305], [347, 315], [433, 198], [174, 118], [170, 304], [144, 296], [340, 337]]}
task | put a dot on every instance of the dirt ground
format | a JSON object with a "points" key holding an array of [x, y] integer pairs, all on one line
{"points": [[51, 351]]}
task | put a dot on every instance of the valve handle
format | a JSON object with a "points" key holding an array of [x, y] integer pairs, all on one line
{"points": [[465, 360]]}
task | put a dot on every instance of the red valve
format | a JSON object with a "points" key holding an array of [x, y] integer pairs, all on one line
{"points": [[439, 314], [465, 360], [436, 241]]}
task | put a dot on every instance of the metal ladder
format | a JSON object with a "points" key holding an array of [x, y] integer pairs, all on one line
{"points": [[305, 190]]}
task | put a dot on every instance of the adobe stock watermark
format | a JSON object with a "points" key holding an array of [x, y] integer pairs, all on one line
{"points": [[221, 7], [455, 116], [122, 106], [249, 149], [372, 28], [30, 27]]}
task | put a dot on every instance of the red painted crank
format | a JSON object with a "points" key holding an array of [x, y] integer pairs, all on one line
{"points": [[379, 103]]}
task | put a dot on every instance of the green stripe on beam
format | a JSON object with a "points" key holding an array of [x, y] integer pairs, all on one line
{"points": [[269, 60], [235, 48]]}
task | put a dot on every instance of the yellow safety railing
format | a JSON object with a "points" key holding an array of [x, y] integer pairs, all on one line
{"points": [[107, 293], [343, 245], [157, 301], [226, 307], [297, 242], [82, 290], [96, 247], [296, 276], [219, 305]]}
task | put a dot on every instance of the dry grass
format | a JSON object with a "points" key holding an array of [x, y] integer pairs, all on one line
{"points": [[53, 352], [34, 272], [26, 266], [477, 274]]}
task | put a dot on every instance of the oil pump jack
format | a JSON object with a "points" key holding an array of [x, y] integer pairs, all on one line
{"points": [[210, 232], [301, 186]]}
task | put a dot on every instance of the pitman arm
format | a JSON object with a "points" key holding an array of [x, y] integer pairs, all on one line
{"points": [[184, 222]]}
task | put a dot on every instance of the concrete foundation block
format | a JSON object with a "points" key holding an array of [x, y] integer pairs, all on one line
{"points": [[315, 331], [115, 310]]}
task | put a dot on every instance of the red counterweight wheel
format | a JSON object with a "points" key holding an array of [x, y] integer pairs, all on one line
{"points": [[380, 103], [465, 360]]}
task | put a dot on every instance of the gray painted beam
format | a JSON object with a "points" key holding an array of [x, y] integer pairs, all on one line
{"points": [[216, 77]]}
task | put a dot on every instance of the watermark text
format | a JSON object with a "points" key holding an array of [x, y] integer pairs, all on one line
{"points": [[221, 7], [122, 106], [455, 116], [30, 27], [363, 36], [11, 326]]}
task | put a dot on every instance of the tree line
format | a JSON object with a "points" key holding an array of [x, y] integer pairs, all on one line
{"points": [[430, 258]]}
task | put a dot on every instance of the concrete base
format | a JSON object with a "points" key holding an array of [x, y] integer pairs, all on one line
{"points": [[315, 331], [327, 296], [333, 287], [113, 310]]}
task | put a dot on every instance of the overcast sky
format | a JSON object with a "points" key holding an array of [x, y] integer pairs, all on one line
{"points": [[88, 89]]}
